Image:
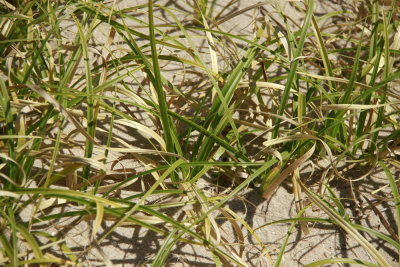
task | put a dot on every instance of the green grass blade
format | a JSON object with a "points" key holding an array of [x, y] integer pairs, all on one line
{"points": [[89, 94], [350, 88], [293, 67], [386, 69], [163, 109], [31, 241], [285, 242], [323, 52], [14, 239], [5, 103]]}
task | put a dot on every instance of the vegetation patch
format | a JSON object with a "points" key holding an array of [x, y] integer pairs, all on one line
{"points": [[180, 122]]}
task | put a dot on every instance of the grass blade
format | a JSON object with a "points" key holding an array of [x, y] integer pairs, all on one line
{"points": [[294, 63]]}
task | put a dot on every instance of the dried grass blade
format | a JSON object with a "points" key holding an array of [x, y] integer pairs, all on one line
{"points": [[273, 185], [144, 129], [299, 201], [355, 106], [99, 218], [213, 54], [251, 231], [345, 226], [395, 193], [237, 229]]}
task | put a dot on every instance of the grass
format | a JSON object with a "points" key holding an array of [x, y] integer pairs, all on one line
{"points": [[182, 101]]}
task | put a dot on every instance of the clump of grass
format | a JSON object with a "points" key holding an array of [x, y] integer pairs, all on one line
{"points": [[268, 103]]}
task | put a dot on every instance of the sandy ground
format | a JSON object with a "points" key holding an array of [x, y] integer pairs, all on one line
{"points": [[133, 246]]}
